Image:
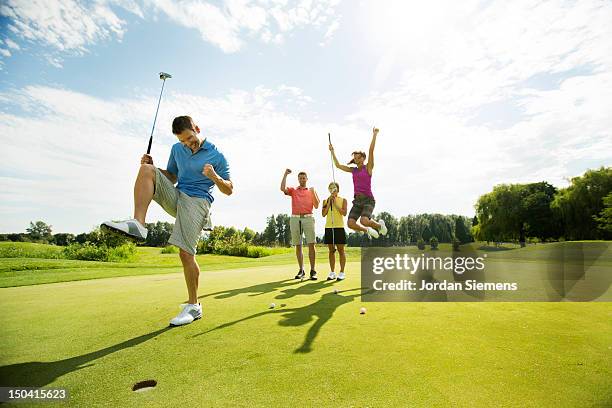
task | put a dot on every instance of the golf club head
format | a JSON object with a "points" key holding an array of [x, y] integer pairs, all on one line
{"points": [[164, 75]]}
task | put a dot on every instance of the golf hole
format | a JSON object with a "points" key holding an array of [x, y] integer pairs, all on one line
{"points": [[143, 386]]}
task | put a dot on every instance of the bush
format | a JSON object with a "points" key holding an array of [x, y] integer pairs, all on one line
{"points": [[102, 237], [235, 245], [258, 252], [456, 244], [421, 243], [91, 252], [29, 250], [170, 249], [63, 239], [434, 243]]}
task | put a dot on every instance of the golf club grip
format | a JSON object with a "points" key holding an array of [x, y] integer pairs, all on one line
{"points": [[150, 142], [329, 137]]}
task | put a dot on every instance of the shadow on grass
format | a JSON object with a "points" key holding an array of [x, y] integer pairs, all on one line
{"points": [[310, 288], [322, 310], [255, 290], [40, 374]]}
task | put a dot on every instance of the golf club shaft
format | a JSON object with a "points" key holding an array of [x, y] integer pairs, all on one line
{"points": [[331, 208], [155, 120]]}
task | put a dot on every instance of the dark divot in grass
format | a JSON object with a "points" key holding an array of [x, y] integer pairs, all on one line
{"points": [[143, 386]]}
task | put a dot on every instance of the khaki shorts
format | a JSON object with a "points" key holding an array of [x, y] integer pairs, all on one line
{"points": [[363, 206], [192, 213], [302, 225]]}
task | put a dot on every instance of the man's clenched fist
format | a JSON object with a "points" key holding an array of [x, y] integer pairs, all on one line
{"points": [[209, 171]]}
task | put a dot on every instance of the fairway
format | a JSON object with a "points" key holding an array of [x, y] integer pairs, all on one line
{"points": [[98, 337]]}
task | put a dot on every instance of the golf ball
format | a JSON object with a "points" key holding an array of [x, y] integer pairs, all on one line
{"points": [[362, 310], [336, 291], [272, 305]]}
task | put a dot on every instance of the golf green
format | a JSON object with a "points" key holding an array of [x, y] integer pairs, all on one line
{"points": [[97, 338]]}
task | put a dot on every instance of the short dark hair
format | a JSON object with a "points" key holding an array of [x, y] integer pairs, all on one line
{"points": [[181, 123], [302, 172]]}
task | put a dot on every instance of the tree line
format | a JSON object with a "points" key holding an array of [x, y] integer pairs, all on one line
{"points": [[510, 212], [519, 212]]}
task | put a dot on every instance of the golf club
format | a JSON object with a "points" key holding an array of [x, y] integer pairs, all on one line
{"points": [[331, 156], [163, 76]]}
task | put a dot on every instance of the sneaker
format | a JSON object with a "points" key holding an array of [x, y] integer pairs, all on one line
{"points": [[331, 276], [383, 227], [300, 274], [132, 228], [372, 232], [313, 274], [188, 314], [341, 276]]}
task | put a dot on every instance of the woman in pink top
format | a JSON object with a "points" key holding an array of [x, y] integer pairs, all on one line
{"points": [[363, 202]]}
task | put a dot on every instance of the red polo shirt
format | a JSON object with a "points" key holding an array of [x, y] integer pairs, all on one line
{"points": [[301, 200]]}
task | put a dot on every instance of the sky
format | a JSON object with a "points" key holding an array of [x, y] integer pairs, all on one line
{"points": [[467, 95]]}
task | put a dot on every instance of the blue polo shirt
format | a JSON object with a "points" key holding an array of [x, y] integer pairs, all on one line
{"points": [[188, 168]]}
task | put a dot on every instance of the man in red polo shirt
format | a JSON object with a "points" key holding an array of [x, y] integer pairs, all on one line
{"points": [[302, 222]]}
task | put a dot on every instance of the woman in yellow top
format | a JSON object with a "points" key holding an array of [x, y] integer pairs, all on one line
{"points": [[335, 208]]}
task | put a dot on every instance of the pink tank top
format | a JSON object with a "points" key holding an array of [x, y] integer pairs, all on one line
{"points": [[362, 181]]}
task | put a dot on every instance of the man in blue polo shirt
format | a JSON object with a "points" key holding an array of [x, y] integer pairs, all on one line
{"points": [[197, 166]]}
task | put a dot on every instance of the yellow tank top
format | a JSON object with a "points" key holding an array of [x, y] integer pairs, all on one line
{"points": [[338, 219]]}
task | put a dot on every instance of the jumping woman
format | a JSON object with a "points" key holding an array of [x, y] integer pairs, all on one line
{"points": [[363, 202], [335, 208]]}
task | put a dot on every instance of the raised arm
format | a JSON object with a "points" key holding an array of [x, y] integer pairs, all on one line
{"points": [[337, 163], [283, 185], [315, 197], [370, 165], [225, 186]]}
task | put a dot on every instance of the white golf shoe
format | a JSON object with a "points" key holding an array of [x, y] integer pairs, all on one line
{"points": [[383, 227], [331, 276], [341, 276], [188, 314], [372, 232], [132, 228]]}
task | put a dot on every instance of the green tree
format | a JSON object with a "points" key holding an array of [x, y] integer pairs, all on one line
{"points": [[248, 234], [462, 233], [158, 234], [392, 230], [605, 216], [39, 231], [63, 239], [434, 242], [580, 204], [283, 231], [538, 217], [269, 234]]}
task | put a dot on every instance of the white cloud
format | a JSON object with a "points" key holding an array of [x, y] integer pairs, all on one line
{"points": [[329, 34], [83, 153], [12, 44], [73, 26], [455, 61], [229, 25], [65, 25], [4, 52]]}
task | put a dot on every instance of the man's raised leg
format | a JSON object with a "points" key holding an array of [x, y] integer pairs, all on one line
{"points": [[143, 194], [144, 188]]}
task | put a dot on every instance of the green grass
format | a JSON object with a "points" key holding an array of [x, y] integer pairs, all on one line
{"points": [[32, 268], [30, 250], [149, 261], [98, 337]]}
